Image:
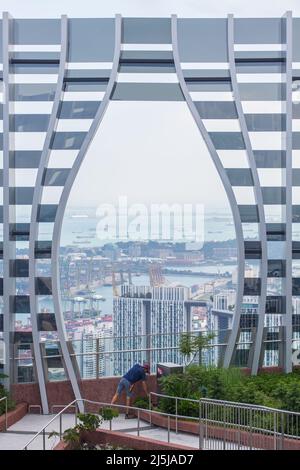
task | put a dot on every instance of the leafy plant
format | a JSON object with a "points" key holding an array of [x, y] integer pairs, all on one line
{"points": [[272, 390], [87, 422], [191, 345], [4, 393], [108, 413], [142, 403], [289, 395], [72, 436]]}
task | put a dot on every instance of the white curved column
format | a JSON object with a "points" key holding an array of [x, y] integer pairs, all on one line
{"points": [[258, 199], [230, 194], [289, 182], [37, 195], [62, 206]]}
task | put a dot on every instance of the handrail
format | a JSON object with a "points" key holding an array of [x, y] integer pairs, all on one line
{"points": [[200, 419], [231, 404], [49, 422], [174, 397], [123, 351], [226, 402], [6, 406], [154, 335], [99, 403]]}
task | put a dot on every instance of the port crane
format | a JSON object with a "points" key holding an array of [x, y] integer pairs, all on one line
{"points": [[122, 279], [155, 275]]}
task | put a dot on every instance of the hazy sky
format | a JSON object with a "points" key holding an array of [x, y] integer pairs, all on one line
{"points": [[156, 155], [185, 8], [151, 152]]}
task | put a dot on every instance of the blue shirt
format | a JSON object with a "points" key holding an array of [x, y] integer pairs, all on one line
{"points": [[135, 374]]}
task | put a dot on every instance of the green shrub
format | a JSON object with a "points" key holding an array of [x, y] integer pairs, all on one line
{"points": [[10, 403], [87, 422], [188, 408], [141, 403], [108, 413], [272, 390], [289, 395]]}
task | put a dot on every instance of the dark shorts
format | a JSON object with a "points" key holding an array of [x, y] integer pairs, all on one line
{"points": [[124, 384]]}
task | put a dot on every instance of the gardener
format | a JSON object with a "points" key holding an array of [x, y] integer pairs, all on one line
{"points": [[136, 374]]}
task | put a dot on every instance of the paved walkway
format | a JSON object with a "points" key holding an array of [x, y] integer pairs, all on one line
{"points": [[18, 435]]}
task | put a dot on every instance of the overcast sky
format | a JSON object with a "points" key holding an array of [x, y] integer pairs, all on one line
{"points": [[184, 8], [151, 152]]}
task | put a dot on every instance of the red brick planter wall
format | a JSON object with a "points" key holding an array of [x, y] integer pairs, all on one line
{"points": [[60, 393], [103, 436], [13, 416]]}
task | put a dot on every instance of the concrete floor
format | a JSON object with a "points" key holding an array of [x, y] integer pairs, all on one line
{"points": [[21, 432], [18, 435]]}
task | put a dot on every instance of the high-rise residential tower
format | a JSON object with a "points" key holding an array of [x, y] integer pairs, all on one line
{"points": [[147, 323]]}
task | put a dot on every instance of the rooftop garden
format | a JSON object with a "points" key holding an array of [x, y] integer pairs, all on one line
{"points": [[280, 391], [276, 390]]}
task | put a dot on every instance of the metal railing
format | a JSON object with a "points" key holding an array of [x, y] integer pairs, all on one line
{"points": [[219, 424], [234, 425], [42, 432], [6, 408], [111, 356]]}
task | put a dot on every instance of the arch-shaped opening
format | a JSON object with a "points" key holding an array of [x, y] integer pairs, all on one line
{"points": [[146, 156]]}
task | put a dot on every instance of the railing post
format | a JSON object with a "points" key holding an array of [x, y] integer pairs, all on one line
{"points": [[176, 412], [44, 439], [282, 431], [6, 406], [168, 428], [150, 406], [200, 428], [224, 427], [138, 429], [60, 426], [76, 412], [239, 427], [110, 424], [275, 429], [251, 424]]}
